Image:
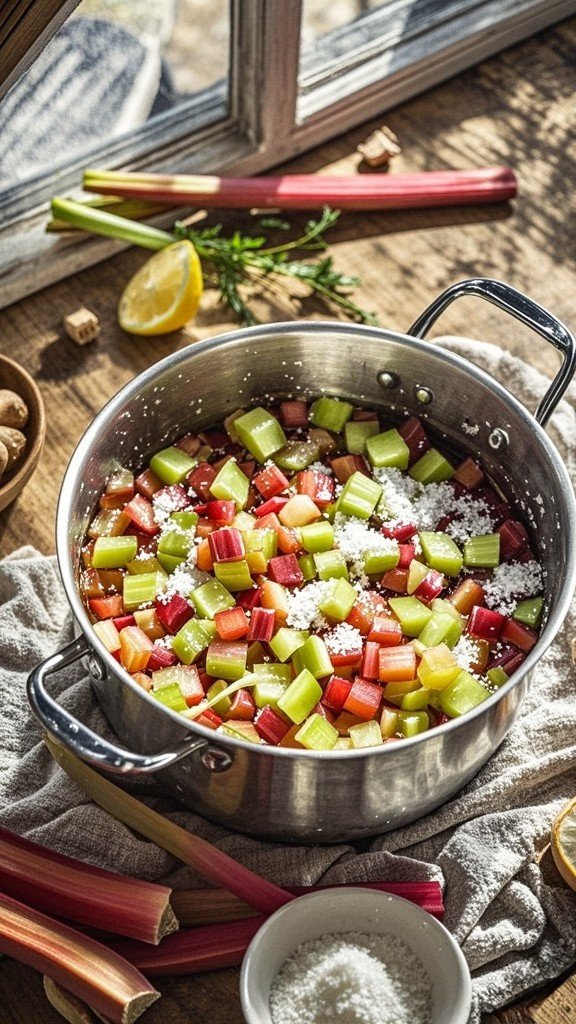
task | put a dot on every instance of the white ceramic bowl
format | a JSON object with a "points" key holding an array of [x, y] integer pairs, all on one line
{"points": [[349, 910]]}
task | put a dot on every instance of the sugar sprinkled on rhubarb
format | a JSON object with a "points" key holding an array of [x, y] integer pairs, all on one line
{"points": [[510, 582], [303, 605]]}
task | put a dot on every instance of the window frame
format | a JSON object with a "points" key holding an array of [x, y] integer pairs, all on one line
{"points": [[272, 115]]}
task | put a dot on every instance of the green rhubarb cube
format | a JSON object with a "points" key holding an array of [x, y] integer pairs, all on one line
{"points": [[142, 589], [260, 432], [267, 692], [330, 565], [497, 676], [462, 694], [317, 734], [169, 563], [438, 667], [171, 697], [417, 571], [388, 449], [441, 553], [377, 562], [300, 697], [234, 575], [313, 656], [286, 641], [307, 567], [529, 612], [365, 734], [359, 496], [297, 455], [226, 660], [172, 465], [331, 414], [444, 607], [265, 541], [356, 434], [411, 723], [142, 565], [440, 629], [211, 597], [412, 614], [483, 552], [432, 468], [239, 730], [231, 484], [317, 536], [416, 700], [192, 639], [339, 601], [388, 723], [113, 552], [394, 692], [176, 544], [222, 706]]}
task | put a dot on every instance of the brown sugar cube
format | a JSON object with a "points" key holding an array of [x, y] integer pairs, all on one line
{"points": [[82, 326], [380, 147]]}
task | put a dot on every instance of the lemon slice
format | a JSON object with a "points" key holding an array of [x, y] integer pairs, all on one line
{"points": [[165, 293], [564, 843]]}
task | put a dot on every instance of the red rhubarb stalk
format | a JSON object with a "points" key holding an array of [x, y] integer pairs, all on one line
{"points": [[92, 972], [200, 949], [205, 858], [311, 191], [69, 888]]}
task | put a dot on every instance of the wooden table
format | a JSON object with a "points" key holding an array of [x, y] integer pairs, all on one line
{"points": [[517, 108]]}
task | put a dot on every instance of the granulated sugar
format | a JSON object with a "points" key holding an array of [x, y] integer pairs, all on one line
{"points": [[352, 978]]}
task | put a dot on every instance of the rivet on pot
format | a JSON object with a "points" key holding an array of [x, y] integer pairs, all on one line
{"points": [[96, 668], [387, 379], [216, 760], [498, 439], [423, 394]]}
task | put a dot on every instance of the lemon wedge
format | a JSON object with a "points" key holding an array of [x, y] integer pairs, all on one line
{"points": [[564, 843], [165, 293]]}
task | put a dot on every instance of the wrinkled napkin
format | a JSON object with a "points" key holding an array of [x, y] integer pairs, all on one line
{"points": [[516, 929]]}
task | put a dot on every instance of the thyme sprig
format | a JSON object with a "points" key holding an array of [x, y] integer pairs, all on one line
{"points": [[238, 260]]}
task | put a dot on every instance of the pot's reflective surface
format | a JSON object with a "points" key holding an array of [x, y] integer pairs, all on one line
{"points": [[289, 794]]}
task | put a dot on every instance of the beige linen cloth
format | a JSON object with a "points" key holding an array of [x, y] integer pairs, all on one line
{"points": [[515, 930]]}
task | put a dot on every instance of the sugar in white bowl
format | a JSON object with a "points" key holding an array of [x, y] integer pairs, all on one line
{"points": [[439, 986]]}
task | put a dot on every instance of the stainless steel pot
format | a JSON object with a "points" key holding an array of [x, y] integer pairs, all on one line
{"points": [[287, 794]]}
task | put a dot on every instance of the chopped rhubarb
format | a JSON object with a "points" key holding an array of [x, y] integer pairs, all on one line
{"points": [[415, 437], [519, 635], [485, 623], [294, 414], [270, 482], [467, 594], [317, 485], [135, 649], [141, 512], [226, 545], [249, 599], [232, 623], [469, 474], [201, 479], [271, 507], [262, 624], [161, 657], [344, 466], [106, 607], [365, 609], [221, 512], [430, 587], [336, 693], [370, 660], [174, 613], [270, 726], [386, 631], [513, 539], [147, 483], [401, 532], [364, 699], [284, 569], [397, 663], [406, 553], [395, 580]]}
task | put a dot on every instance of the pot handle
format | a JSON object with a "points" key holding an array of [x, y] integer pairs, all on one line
{"points": [[90, 747], [523, 309]]}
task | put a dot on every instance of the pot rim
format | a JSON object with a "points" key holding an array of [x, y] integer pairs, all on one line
{"points": [[269, 333]]}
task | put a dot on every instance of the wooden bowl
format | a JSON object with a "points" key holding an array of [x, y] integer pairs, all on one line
{"points": [[16, 378]]}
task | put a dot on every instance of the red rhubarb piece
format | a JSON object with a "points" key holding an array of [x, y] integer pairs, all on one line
{"points": [[336, 693], [262, 622], [106, 607], [363, 415], [242, 707], [173, 496], [124, 620], [226, 545], [414, 435], [468, 474], [209, 719], [343, 467], [189, 443], [270, 726], [364, 699], [148, 483], [190, 686], [396, 580], [407, 552], [141, 513], [317, 485], [248, 599], [161, 657], [430, 587], [174, 613], [284, 569], [401, 532], [201, 479], [520, 635], [485, 623], [232, 623], [270, 482], [221, 512], [467, 594], [370, 662], [397, 663], [294, 414], [271, 507], [513, 539], [386, 632], [364, 610]]}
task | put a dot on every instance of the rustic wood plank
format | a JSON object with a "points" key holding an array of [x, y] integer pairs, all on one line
{"points": [[517, 108]]}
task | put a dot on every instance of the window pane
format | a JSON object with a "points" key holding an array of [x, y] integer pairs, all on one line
{"points": [[116, 69]]}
